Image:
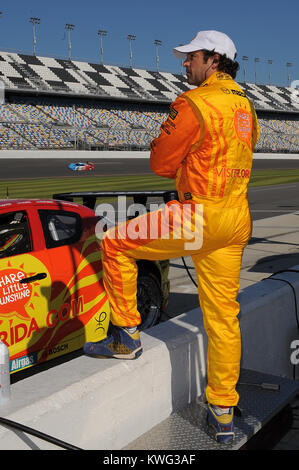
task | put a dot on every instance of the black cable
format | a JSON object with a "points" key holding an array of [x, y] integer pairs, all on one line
{"points": [[34, 432], [271, 278], [187, 269], [283, 271]]}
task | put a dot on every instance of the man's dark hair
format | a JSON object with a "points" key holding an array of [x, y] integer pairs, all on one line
{"points": [[225, 65]]}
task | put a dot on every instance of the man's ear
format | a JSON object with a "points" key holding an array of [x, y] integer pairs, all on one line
{"points": [[216, 59]]}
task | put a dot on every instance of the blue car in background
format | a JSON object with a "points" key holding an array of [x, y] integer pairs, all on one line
{"points": [[79, 166]]}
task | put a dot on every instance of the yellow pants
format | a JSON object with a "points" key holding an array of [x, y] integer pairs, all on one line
{"points": [[219, 237]]}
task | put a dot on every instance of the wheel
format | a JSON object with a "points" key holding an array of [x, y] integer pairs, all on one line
{"points": [[149, 299]]}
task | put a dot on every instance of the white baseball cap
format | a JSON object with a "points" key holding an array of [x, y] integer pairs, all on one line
{"points": [[211, 41]]}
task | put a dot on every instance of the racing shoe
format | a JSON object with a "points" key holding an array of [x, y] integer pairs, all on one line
{"points": [[221, 423], [121, 343]]}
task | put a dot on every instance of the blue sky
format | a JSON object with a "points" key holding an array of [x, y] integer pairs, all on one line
{"points": [[263, 29]]}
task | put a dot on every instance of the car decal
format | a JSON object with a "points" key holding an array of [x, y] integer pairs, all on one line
{"points": [[37, 318]]}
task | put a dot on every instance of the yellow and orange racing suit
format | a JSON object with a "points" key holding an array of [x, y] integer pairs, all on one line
{"points": [[206, 145]]}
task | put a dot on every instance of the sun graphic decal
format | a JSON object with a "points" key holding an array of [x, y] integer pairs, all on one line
{"points": [[22, 305], [20, 299], [52, 316]]}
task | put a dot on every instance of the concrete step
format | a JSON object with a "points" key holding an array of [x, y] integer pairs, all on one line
{"points": [[187, 428]]}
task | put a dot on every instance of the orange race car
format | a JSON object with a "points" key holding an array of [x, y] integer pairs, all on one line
{"points": [[52, 298]]}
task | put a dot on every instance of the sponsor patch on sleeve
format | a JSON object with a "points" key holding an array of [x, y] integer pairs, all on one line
{"points": [[173, 113]]}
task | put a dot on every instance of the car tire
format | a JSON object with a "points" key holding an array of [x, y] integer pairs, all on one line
{"points": [[149, 300]]}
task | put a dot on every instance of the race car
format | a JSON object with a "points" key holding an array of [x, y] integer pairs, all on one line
{"points": [[79, 166], [52, 298]]}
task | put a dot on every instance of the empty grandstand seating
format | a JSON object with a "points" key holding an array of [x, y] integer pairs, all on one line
{"points": [[47, 74], [56, 124], [68, 126], [24, 72], [58, 103], [279, 135], [10, 140]]}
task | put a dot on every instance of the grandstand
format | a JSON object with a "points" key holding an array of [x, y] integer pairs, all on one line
{"points": [[64, 104]]}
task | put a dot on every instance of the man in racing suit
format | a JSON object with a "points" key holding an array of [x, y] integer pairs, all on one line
{"points": [[206, 145]]}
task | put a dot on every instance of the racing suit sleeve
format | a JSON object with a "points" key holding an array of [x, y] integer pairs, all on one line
{"points": [[255, 128], [180, 130]]}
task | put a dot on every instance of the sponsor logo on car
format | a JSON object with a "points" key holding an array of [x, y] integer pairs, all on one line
{"points": [[22, 362]]}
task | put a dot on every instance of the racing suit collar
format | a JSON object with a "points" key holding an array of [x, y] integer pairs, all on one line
{"points": [[215, 77]]}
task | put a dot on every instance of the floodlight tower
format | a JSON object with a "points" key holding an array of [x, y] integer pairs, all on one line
{"points": [[244, 58], [34, 22], [256, 60], [102, 33], [289, 64], [270, 62], [69, 27], [131, 38], [157, 43]]}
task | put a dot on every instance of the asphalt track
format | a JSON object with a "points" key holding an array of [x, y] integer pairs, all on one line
{"points": [[48, 167], [266, 201]]}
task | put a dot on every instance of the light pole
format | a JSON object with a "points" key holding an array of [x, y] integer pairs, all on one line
{"points": [[157, 43], [270, 62], [288, 64], [69, 27], [131, 38], [102, 33], [244, 58], [256, 60], [34, 22]]}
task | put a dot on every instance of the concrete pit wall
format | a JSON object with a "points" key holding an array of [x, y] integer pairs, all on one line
{"points": [[106, 404]]}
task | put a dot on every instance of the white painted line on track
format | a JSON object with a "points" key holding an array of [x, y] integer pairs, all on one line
{"points": [[110, 154], [277, 186]]}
